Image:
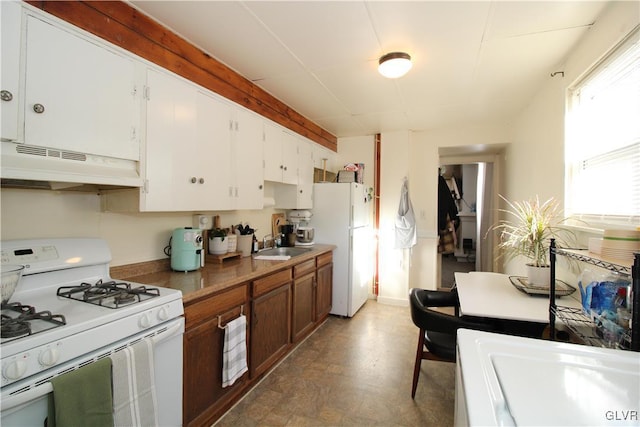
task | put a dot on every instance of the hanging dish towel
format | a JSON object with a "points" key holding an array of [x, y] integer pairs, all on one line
{"points": [[82, 397], [234, 357], [406, 236], [134, 390]]}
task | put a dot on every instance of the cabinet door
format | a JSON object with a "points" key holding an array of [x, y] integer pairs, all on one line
{"points": [[289, 158], [305, 175], [248, 161], [171, 144], [79, 96], [270, 328], [272, 152], [215, 158], [11, 18], [324, 290], [304, 314]]}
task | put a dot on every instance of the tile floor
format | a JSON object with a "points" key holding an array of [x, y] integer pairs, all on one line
{"points": [[352, 372]]}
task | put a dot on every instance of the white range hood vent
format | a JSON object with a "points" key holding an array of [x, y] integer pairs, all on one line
{"points": [[29, 166]]}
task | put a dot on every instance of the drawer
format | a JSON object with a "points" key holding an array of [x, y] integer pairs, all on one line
{"points": [[215, 305], [324, 259], [304, 268], [267, 283]]}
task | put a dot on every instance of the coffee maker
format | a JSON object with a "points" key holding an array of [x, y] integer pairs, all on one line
{"points": [[287, 235], [186, 249]]}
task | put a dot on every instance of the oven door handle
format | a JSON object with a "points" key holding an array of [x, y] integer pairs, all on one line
{"points": [[11, 402], [173, 330]]}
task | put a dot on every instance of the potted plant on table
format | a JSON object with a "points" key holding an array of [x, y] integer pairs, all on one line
{"points": [[527, 232], [218, 245]]}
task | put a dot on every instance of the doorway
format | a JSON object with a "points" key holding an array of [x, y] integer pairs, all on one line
{"points": [[478, 199], [457, 198]]}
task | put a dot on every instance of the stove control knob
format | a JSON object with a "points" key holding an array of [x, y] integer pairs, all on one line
{"points": [[49, 356], [14, 369], [144, 321], [163, 314]]}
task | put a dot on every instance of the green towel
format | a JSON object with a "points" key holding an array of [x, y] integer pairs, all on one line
{"points": [[82, 397]]}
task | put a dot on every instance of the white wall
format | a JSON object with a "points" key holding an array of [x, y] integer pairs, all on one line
{"points": [[394, 263], [132, 237]]}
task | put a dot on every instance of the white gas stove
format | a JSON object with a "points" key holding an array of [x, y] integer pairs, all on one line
{"points": [[81, 315]]}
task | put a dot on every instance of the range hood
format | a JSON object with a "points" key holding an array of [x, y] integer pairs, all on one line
{"points": [[28, 166]]}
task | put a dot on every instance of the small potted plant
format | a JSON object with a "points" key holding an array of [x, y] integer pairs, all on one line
{"points": [[527, 232], [218, 244]]}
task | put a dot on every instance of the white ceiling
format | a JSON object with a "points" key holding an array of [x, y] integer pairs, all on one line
{"points": [[473, 61]]}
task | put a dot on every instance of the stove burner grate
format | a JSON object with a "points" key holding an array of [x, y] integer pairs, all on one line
{"points": [[19, 326], [109, 294]]}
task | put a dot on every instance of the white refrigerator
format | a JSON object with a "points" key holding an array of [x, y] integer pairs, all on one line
{"points": [[342, 217]]}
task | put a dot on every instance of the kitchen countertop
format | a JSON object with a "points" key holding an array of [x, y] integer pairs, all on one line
{"points": [[216, 277]]}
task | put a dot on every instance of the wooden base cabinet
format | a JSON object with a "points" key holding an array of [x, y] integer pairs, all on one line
{"points": [[270, 321], [324, 285], [204, 398], [304, 299], [282, 308]]}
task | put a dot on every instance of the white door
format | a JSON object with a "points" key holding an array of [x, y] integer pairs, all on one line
{"points": [[361, 267], [361, 207]]}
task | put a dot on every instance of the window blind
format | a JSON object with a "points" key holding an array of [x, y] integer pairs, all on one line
{"points": [[603, 136]]}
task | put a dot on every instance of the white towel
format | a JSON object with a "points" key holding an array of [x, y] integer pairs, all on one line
{"points": [[234, 356], [134, 390]]}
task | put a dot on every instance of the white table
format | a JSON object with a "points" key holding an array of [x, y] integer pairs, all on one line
{"points": [[485, 294]]}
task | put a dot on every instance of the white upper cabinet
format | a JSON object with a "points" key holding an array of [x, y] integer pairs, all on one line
{"points": [[9, 85], [215, 122], [79, 96], [325, 158], [247, 160], [299, 196], [172, 162], [202, 152], [280, 155]]}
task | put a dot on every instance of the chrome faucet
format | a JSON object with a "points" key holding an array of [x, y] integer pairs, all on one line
{"points": [[266, 239]]}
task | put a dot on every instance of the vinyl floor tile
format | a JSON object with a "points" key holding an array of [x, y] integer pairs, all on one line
{"points": [[352, 372]]}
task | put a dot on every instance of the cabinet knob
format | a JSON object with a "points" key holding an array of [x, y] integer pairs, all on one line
{"points": [[5, 95], [193, 180], [260, 187], [300, 191], [201, 180], [285, 168], [281, 166], [38, 108]]}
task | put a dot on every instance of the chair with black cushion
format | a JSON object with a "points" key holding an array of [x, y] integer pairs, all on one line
{"points": [[437, 339]]}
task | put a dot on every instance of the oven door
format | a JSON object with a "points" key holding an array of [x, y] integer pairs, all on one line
{"points": [[29, 408]]}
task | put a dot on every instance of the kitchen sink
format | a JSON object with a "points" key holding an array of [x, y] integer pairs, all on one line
{"points": [[283, 251]]}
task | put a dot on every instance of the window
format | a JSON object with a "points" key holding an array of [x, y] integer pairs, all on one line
{"points": [[603, 139]]}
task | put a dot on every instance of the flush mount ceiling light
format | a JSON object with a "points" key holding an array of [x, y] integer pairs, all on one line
{"points": [[394, 64]]}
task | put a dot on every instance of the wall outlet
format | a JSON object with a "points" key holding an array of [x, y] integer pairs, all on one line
{"points": [[202, 222]]}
